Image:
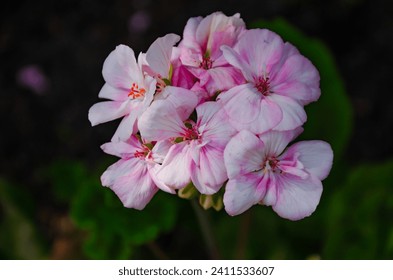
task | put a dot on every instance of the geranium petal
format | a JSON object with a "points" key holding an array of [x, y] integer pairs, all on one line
{"points": [[260, 49], [159, 54], [293, 114], [297, 198], [276, 141], [189, 41], [112, 93], [213, 124], [120, 149], [107, 111], [127, 126], [183, 100], [135, 189], [248, 109], [120, 68], [160, 122], [235, 60], [243, 154], [316, 156], [209, 174], [175, 170], [161, 185], [220, 79], [120, 168], [298, 79], [243, 192]]}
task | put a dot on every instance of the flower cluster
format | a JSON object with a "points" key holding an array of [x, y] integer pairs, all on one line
{"points": [[215, 110]]}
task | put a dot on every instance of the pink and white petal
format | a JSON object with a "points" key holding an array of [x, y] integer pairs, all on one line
{"points": [[160, 150], [238, 62], [175, 170], [136, 189], [183, 100], [160, 122], [213, 124], [189, 37], [203, 30], [183, 78], [159, 54], [243, 192], [316, 156], [120, 149], [153, 174], [243, 154], [270, 116], [150, 86], [121, 69], [225, 37], [115, 94], [119, 169], [190, 58], [297, 198], [127, 126], [224, 30], [209, 174], [221, 79], [276, 141], [248, 109], [295, 169], [261, 49], [293, 114], [107, 111], [269, 183], [298, 79]]}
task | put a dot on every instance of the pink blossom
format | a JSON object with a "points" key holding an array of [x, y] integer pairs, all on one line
{"points": [[260, 171], [132, 178], [158, 63], [200, 50], [129, 90], [197, 151], [280, 81]]}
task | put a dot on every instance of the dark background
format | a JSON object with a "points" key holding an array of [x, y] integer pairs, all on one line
{"points": [[69, 40]]}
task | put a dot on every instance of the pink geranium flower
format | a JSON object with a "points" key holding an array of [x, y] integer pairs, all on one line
{"points": [[129, 90], [200, 50], [280, 81], [133, 178], [197, 151], [260, 171]]}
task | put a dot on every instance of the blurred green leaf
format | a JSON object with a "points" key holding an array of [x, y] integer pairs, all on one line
{"points": [[113, 231], [18, 236], [330, 118], [359, 218]]}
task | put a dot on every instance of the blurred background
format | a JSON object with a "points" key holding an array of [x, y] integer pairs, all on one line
{"points": [[52, 205]]}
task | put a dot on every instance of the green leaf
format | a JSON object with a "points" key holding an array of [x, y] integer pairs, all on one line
{"points": [[330, 118], [18, 236], [113, 231], [359, 217]]}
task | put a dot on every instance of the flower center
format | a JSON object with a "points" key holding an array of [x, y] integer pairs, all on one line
{"points": [[136, 92], [160, 85], [271, 164], [144, 153], [206, 62], [191, 134], [263, 86]]}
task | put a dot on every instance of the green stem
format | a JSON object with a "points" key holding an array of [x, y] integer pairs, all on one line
{"points": [[157, 251], [242, 236], [206, 230]]}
